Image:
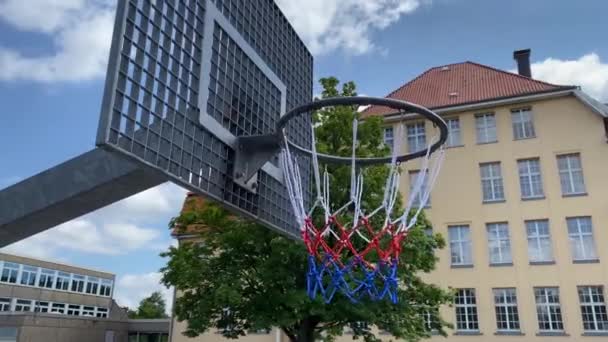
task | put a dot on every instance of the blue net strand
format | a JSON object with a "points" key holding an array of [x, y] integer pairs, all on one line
{"points": [[355, 280]]}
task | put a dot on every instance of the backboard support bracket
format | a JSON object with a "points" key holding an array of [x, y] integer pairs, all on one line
{"points": [[251, 153]]}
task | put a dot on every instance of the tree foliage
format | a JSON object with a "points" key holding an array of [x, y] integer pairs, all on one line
{"points": [[244, 277], [150, 307]]}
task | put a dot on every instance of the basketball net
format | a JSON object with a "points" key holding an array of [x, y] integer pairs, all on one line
{"points": [[357, 257]]}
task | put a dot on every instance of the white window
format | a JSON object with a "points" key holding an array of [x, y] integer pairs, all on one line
{"points": [[63, 281], [10, 271], [571, 174], [523, 124], [389, 137], [491, 182], [23, 305], [105, 288], [78, 283], [454, 135], [5, 304], [466, 310], [539, 241], [505, 305], [226, 322], [548, 309], [102, 312], [74, 310], [41, 307], [499, 244], [47, 278], [486, 128], [92, 285], [460, 245], [530, 178], [582, 244], [88, 311], [416, 137], [58, 308], [28, 275], [593, 308], [423, 189]]}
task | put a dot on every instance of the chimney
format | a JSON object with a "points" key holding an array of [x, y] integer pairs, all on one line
{"points": [[523, 62]]}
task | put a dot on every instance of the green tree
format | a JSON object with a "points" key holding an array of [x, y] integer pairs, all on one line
{"points": [[150, 307], [244, 277]]}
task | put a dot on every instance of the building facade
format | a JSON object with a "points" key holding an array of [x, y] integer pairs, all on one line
{"points": [[522, 202], [42, 301]]}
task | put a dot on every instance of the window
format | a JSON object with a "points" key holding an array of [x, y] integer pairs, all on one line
{"points": [[23, 305], [499, 244], [491, 182], [105, 289], [539, 241], [9, 272], [593, 308], [505, 304], [63, 281], [102, 312], [74, 310], [454, 136], [466, 310], [28, 275], [530, 179], [5, 304], [41, 307], [78, 283], [580, 232], [423, 189], [226, 322], [571, 174], [548, 309], [58, 308], [416, 137], [523, 125], [460, 245], [47, 277], [389, 137], [431, 320], [92, 285], [88, 311], [486, 128]]}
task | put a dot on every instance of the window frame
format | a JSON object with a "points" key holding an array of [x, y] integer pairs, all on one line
{"points": [[450, 142], [569, 172], [464, 245], [594, 305], [5, 304], [94, 282], [482, 126], [522, 123], [580, 238], [495, 179], [529, 177], [469, 309], [62, 279], [537, 239], [513, 321], [386, 139], [413, 175], [416, 132], [26, 275], [22, 304], [551, 307], [10, 269], [44, 276], [500, 238]]}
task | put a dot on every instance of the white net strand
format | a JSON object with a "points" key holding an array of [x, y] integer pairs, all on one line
{"points": [[293, 183]]}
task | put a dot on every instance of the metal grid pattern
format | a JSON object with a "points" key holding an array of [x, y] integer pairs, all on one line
{"points": [[151, 104]]}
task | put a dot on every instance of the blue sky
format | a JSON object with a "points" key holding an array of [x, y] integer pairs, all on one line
{"points": [[52, 66]]}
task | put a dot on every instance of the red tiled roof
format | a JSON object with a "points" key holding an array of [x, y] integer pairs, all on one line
{"points": [[463, 83]]}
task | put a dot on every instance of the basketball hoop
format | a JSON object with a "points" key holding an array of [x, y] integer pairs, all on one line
{"points": [[349, 252]]}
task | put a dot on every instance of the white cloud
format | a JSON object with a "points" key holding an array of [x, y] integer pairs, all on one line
{"points": [[348, 25], [132, 288], [81, 31], [588, 71], [136, 223]]}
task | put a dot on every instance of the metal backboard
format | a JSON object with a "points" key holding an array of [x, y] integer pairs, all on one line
{"points": [[186, 77]]}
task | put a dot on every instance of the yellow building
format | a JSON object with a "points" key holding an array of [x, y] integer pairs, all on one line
{"points": [[522, 201]]}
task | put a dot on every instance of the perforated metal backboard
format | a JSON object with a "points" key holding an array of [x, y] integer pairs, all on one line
{"points": [[186, 77]]}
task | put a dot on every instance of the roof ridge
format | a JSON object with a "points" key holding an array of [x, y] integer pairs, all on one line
{"points": [[518, 75]]}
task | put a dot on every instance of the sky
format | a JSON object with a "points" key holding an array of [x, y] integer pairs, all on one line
{"points": [[53, 60]]}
